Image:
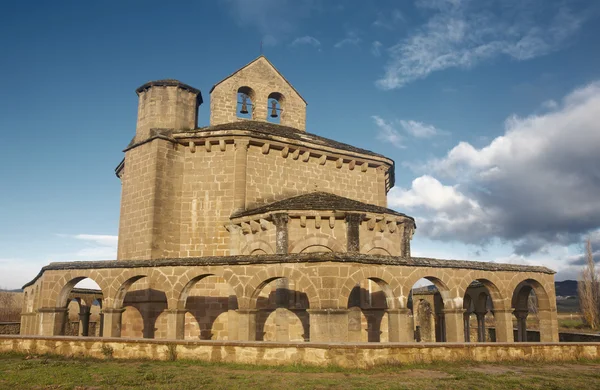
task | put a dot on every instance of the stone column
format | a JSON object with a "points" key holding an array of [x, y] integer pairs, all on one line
{"points": [[467, 326], [401, 327], [281, 233], [406, 237], [455, 330], [521, 324], [480, 326], [239, 180], [247, 324], [281, 248], [504, 325], [352, 232], [176, 324], [328, 325], [52, 320], [101, 327], [548, 326], [84, 320], [112, 322]]}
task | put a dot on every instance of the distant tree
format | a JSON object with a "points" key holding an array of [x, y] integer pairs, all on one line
{"points": [[589, 290], [7, 306]]}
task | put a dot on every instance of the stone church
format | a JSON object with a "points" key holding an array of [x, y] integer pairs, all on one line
{"points": [[254, 229]]}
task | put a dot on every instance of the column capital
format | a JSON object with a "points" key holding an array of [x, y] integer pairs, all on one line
{"points": [[398, 311], [247, 311], [176, 311], [52, 310], [241, 143], [280, 219], [111, 310], [327, 311], [453, 311], [521, 314]]}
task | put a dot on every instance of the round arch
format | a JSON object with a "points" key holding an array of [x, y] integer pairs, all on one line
{"points": [[258, 245], [318, 239], [266, 276], [383, 278]]}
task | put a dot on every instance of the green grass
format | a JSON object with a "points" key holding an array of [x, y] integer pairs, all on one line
{"points": [[52, 372]]}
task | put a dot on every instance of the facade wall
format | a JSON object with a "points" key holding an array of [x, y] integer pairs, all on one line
{"points": [[263, 79], [271, 177]]}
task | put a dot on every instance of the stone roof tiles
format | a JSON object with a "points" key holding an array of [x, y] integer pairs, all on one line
{"points": [[319, 201], [268, 128]]}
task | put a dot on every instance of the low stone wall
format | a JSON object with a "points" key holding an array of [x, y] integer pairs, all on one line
{"points": [[272, 353], [10, 328]]}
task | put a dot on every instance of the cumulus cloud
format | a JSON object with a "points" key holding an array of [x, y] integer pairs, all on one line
{"points": [[388, 133], [464, 33], [306, 40], [536, 186]]}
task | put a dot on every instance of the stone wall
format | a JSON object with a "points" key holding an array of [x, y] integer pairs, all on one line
{"points": [[345, 355]]}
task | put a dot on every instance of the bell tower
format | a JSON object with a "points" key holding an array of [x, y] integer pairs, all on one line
{"points": [[257, 92], [166, 104]]}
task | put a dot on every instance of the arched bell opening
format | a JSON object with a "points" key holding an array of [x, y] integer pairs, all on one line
{"points": [[245, 103], [282, 311], [275, 107], [426, 301], [368, 320]]}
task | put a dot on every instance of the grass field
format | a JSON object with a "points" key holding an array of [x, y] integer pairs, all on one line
{"points": [[44, 372]]}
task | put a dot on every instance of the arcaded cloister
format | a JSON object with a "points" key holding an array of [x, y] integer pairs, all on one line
{"points": [[254, 229]]}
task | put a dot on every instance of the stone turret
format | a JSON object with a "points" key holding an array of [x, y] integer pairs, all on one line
{"points": [[166, 104]]}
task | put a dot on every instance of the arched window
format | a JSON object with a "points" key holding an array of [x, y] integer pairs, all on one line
{"points": [[245, 106], [275, 107]]}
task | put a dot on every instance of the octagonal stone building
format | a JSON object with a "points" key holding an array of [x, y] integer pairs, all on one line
{"points": [[253, 229]]}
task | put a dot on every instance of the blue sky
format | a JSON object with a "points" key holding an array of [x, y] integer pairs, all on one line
{"points": [[489, 108]]}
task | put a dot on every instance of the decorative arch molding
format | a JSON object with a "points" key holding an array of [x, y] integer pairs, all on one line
{"points": [[270, 273], [256, 245], [383, 278], [318, 239], [380, 244]]}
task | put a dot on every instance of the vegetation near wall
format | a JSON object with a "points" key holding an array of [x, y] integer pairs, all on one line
{"points": [[589, 290], [10, 306]]}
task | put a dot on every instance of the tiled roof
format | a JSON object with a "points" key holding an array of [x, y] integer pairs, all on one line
{"points": [[319, 201]]}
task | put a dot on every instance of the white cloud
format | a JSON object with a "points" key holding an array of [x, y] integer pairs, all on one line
{"points": [[535, 187], [420, 129], [351, 39], [461, 34], [306, 40], [376, 48], [387, 132]]}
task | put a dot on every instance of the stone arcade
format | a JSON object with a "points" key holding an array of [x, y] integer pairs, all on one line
{"points": [[253, 230]]}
